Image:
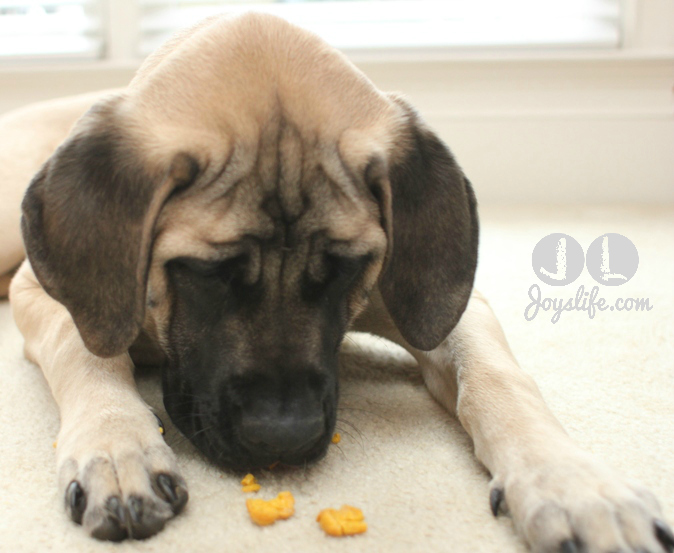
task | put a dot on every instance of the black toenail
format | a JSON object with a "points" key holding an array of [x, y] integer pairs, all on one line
{"points": [[664, 535], [495, 500], [568, 546], [175, 494], [114, 506], [76, 500], [167, 487], [135, 505]]}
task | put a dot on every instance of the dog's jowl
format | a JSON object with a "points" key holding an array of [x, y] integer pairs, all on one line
{"points": [[229, 216]]}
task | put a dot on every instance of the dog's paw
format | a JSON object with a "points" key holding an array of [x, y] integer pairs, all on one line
{"points": [[117, 475], [575, 504]]}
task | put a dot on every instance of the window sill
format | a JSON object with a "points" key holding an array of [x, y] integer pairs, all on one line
{"points": [[383, 56]]}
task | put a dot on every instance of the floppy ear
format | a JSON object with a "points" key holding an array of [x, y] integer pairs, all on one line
{"points": [[429, 213], [88, 220]]}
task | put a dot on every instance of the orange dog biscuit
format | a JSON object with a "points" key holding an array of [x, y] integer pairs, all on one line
{"points": [[249, 484], [264, 512], [345, 522]]}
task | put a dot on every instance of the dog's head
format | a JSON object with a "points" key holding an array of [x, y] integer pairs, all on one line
{"points": [[237, 204]]}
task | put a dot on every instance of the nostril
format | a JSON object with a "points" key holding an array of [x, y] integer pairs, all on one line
{"points": [[282, 435]]}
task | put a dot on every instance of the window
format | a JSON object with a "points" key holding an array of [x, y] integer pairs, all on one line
{"points": [[368, 24], [78, 29], [65, 29]]}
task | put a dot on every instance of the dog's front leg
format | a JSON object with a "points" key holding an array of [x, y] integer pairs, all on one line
{"points": [[560, 497], [117, 475]]}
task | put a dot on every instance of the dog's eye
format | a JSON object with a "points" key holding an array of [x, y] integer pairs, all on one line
{"points": [[336, 273], [225, 270], [342, 268]]}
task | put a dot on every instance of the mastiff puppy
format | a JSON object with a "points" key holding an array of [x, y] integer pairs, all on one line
{"points": [[248, 199]]}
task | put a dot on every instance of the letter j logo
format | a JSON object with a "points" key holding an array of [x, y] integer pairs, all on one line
{"points": [[558, 259]]}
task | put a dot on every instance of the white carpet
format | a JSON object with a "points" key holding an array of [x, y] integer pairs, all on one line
{"points": [[406, 463]]}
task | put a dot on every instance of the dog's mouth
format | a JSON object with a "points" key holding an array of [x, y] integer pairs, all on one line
{"points": [[256, 433]]}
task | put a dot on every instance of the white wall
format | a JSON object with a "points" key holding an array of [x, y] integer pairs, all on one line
{"points": [[565, 130], [546, 128]]}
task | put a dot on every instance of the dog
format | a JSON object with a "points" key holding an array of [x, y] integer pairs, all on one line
{"points": [[248, 199]]}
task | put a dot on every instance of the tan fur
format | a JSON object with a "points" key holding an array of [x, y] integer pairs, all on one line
{"points": [[108, 436]]}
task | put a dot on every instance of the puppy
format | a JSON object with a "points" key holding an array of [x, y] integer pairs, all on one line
{"points": [[249, 198]]}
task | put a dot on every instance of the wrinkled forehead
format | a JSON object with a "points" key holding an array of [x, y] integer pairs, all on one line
{"points": [[282, 125], [234, 82], [286, 184]]}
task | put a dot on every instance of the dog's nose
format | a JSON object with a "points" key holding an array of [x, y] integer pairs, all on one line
{"points": [[281, 418], [282, 433]]}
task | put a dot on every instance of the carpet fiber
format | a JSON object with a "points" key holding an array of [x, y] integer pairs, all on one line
{"points": [[406, 463]]}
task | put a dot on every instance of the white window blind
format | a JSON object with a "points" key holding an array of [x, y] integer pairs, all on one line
{"points": [[372, 24], [65, 29]]}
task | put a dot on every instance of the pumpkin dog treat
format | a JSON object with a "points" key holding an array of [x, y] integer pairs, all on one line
{"points": [[345, 522], [249, 484], [264, 512]]}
